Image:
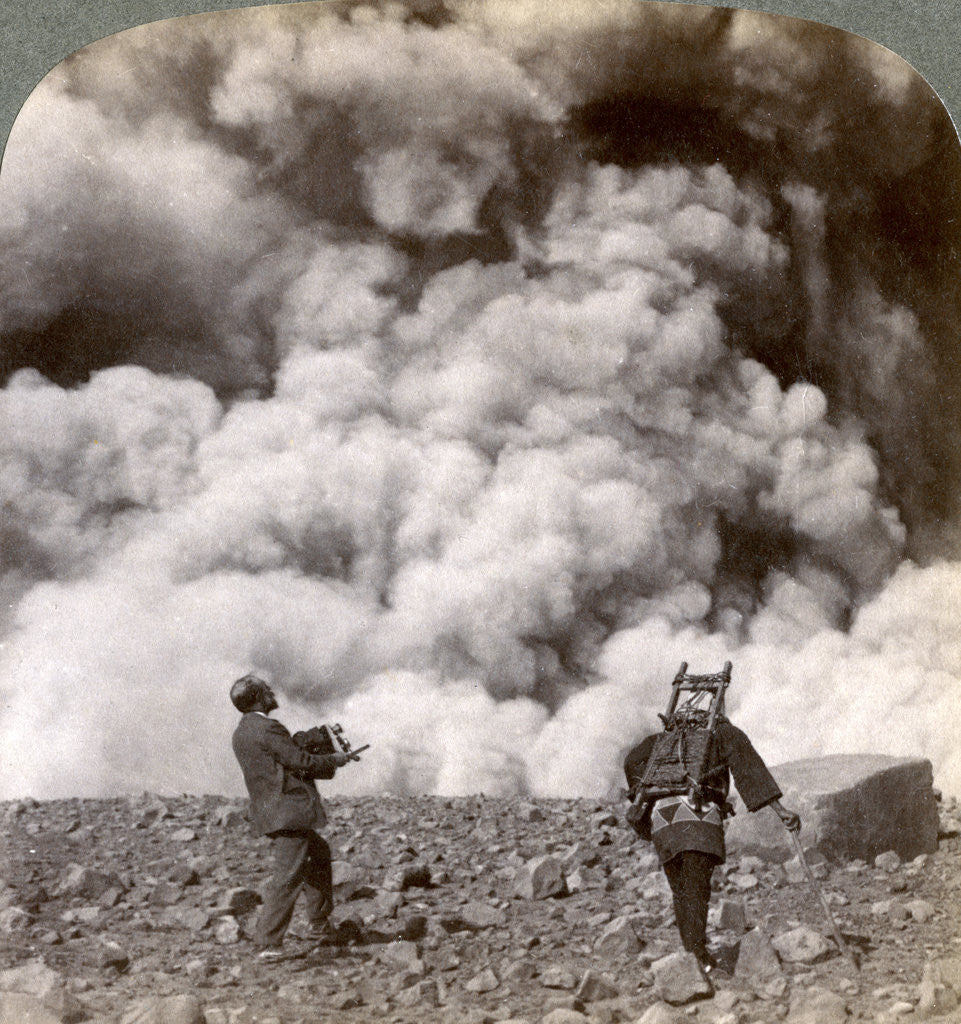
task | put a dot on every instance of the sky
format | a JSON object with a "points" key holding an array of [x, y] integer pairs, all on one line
{"points": [[463, 368]]}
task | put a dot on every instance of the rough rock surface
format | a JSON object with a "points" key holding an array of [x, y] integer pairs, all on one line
{"points": [[851, 806], [168, 939]]}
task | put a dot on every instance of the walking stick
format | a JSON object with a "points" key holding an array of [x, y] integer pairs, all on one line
{"points": [[838, 938]]}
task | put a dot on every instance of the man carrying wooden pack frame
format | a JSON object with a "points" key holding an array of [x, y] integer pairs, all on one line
{"points": [[679, 781]]}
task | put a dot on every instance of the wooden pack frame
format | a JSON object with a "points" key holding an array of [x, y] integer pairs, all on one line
{"points": [[679, 759]]}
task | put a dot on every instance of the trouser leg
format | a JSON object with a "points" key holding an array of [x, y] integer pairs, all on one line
{"points": [[290, 853], [689, 875], [318, 881]]}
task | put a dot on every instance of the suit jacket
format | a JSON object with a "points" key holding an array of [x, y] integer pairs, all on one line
{"points": [[279, 776]]}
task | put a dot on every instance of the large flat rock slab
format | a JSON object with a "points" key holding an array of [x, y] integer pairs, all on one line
{"points": [[851, 806]]}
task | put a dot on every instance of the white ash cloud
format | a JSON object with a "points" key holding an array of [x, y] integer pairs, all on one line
{"points": [[342, 364]]}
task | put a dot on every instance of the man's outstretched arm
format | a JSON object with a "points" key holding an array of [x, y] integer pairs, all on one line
{"points": [[287, 753]]}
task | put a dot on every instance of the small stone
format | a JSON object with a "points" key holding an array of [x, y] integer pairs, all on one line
{"points": [[198, 969], [794, 870], [920, 910], [183, 835], [179, 1009], [817, 1005], [678, 979], [618, 939], [238, 901], [948, 827], [563, 1015], [421, 993], [33, 977], [112, 954], [14, 919], [402, 955], [581, 879], [344, 873], [558, 978], [660, 1013], [346, 1001], [744, 883], [935, 998], [183, 874], [732, 915], [22, 1008], [166, 894], [888, 861], [111, 897], [540, 879], [193, 919], [486, 981], [406, 876], [228, 931], [595, 986], [759, 966], [388, 903], [85, 882], [477, 916], [802, 946], [229, 817]]}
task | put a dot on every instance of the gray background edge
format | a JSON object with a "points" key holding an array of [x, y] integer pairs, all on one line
{"points": [[37, 38]]}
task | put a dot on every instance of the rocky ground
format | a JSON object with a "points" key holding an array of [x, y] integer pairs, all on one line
{"points": [[136, 911]]}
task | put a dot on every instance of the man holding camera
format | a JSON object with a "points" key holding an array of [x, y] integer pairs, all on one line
{"points": [[284, 805]]}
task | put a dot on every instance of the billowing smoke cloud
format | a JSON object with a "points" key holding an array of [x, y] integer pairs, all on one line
{"points": [[465, 371]]}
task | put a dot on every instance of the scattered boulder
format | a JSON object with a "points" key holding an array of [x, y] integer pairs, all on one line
{"points": [[817, 1005], [407, 876], [920, 910], [111, 955], [557, 977], [563, 1015], [759, 966], [237, 901], [476, 916], [21, 1008], [180, 1009], [540, 878], [86, 882], [14, 919], [851, 806], [730, 915], [803, 946], [678, 979], [887, 861], [659, 1013], [229, 816], [227, 931], [421, 993], [35, 978], [403, 955], [936, 996], [618, 939], [595, 986], [193, 919], [486, 981]]}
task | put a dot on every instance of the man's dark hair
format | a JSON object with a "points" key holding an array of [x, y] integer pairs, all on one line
{"points": [[245, 693]]}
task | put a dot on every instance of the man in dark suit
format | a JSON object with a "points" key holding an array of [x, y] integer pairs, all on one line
{"points": [[284, 805]]}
